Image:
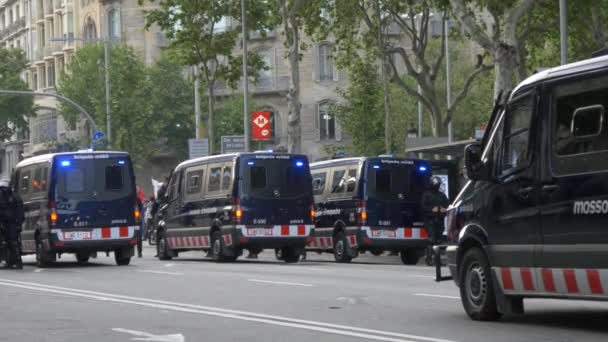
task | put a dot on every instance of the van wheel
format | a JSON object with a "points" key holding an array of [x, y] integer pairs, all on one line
{"points": [[120, 258], [82, 258], [162, 248], [409, 257], [341, 249], [290, 255], [42, 256], [217, 247], [476, 290], [278, 253]]}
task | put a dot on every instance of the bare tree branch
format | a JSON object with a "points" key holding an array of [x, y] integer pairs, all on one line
{"points": [[465, 91], [467, 18], [439, 61], [512, 18], [399, 81]]}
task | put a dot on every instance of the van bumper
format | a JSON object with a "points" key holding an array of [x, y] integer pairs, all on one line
{"points": [[402, 240], [296, 236], [93, 246]]}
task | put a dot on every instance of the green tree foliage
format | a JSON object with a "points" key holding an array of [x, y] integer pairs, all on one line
{"points": [[85, 84], [14, 109], [201, 36]]}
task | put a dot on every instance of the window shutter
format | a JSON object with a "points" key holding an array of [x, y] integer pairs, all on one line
{"points": [[338, 129], [315, 64], [317, 124], [336, 72]]}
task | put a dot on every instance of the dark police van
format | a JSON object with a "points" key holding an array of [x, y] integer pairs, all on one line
{"points": [[533, 220], [227, 203], [81, 203], [370, 204]]}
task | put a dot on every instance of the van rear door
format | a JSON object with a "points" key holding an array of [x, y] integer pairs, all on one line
{"points": [[93, 191], [393, 192], [275, 189]]}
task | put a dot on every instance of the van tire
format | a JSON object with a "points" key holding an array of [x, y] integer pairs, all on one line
{"points": [[341, 249], [278, 253], [120, 258], [409, 256], [82, 258], [42, 256], [217, 247], [476, 289], [162, 248], [290, 255]]}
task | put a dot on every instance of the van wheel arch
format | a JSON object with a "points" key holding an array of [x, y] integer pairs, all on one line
{"points": [[465, 245]]}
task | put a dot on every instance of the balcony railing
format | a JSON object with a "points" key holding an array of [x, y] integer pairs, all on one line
{"points": [[263, 86], [13, 28], [52, 47]]}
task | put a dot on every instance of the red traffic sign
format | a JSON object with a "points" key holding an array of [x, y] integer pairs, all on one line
{"points": [[260, 126]]}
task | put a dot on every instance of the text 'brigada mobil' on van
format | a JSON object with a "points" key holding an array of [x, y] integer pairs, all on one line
{"points": [[227, 203], [531, 222], [370, 204], [81, 202]]}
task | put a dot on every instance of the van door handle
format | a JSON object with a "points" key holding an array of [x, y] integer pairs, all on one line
{"points": [[525, 192]]}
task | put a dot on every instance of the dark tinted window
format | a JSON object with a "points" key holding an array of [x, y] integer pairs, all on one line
{"points": [[351, 181], [194, 181], [74, 180], [258, 177], [516, 134], [227, 178], [215, 179], [318, 183], [383, 181], [114, 181]]}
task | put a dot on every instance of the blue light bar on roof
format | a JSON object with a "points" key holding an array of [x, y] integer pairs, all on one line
{"points": [[249, 163], [376, 167], [121, 162], [65, 163], [299, 163], [422, 168]]}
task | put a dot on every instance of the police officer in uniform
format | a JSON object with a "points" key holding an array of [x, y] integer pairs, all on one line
{"points": [[11, 218], [434, 207]]}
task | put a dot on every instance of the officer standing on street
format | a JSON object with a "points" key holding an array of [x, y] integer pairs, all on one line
{"points": [[11, 218], [434, 207]]}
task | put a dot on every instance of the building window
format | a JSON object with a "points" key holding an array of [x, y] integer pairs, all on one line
{"points": [[326, 65], [51, 75], [114, 24], [221, 26], [265, 76], [44, 127], [327, 122], [90, 30]]}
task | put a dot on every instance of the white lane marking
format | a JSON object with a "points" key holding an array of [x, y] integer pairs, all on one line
{"points": [[159, 272], [38, 270], [420, 276], [279, 282], [380, 335], [435, 295], [169, 265], [144, 336]]}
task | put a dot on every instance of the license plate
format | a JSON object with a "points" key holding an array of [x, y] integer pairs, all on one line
{"points": [[75, 236], [384, 233], [259, 231]]}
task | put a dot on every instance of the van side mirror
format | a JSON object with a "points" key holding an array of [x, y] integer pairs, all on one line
{"points": [[587, 122], [472, 161]]}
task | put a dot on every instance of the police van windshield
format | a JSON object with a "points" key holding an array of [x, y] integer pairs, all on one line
{"points": [[388, 181], [93, 179], [276, 178]]}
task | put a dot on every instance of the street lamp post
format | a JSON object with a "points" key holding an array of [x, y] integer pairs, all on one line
{"points": [[563, 30], [246, 127], [447, 77]]}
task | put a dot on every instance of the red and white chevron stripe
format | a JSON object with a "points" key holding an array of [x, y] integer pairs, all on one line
{"points": [[186, 242], [300, 230], [396, 234], [320, 242], [95, 234], [553, 281]]}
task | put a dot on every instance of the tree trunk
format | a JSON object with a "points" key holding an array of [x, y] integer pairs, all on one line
{"points": [[505, 58], [294, 106], [210, 109]]}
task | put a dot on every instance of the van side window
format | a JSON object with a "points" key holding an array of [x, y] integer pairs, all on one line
{"points": [[24, 184], [351, 180], [318, 183], [194, 181], [338, 183], [215, 179], [258, 177], [114, 181], [227, 178], [579, 126], [517, 134]]}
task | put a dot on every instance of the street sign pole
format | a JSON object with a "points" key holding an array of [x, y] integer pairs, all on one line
{"points": [[245, 76]]}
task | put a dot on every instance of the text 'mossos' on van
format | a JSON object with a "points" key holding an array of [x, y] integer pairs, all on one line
{"points": [[531, 222], [227, 203], [370, 204], [81, 203]]}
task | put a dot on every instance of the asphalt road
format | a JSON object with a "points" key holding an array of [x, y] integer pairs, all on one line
{"points": [[193, 299]]}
